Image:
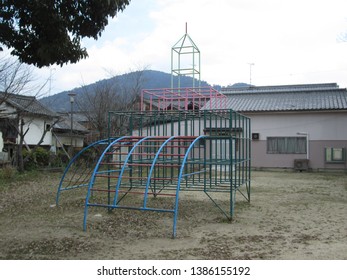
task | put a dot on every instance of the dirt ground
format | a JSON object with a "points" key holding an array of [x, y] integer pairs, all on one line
{"points": [[291, 216]]}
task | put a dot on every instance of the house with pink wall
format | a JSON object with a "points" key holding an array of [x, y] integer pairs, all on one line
{"points": [[294, 126]]}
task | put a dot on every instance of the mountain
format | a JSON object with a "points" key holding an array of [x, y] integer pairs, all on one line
{"points": [[151, 79]]}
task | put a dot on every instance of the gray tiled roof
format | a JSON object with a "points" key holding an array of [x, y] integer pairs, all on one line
{"points": [[283, 98], [65, 124], [28, 104], [281, 88]]}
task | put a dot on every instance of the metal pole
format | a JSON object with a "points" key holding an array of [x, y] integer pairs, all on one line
{"points": [[72, 100], [307, 143], [71, 126]]}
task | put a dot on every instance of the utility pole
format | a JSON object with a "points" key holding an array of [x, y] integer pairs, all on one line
{"points": [[72, 100]]}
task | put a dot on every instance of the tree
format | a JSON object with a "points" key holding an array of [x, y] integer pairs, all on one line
{"points": [[45, 32], [111, 95], [95, 102]]}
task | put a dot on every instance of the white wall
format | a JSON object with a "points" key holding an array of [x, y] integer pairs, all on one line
{"points": [[188, 128], [319, 126], [36, 129]]}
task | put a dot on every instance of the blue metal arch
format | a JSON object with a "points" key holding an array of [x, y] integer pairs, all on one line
{"points": [[124, 166], [92, 180], [103, 141], [152, 168], [179, 181]]}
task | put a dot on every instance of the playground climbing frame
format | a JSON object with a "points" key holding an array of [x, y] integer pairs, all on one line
{"points": [[167, 151]]}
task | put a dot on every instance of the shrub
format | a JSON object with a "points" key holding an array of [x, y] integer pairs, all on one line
{"points": [[37, 158], [63, 158], [8, 172], [29, 164], [41, 156]]}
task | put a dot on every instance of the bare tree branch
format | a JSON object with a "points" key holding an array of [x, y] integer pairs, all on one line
{"points": [[111, 95]]}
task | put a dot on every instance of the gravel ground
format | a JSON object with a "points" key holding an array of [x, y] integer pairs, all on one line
{"points": [[291, 216]]}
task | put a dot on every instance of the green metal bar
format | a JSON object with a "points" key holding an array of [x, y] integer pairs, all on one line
{"points": [[229, 217]]}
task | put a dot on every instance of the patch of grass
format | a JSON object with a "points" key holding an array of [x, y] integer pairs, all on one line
{"points": [[9, 175], [7, 172]]}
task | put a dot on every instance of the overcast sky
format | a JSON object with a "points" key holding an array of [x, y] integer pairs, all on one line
{"points": [[289, 42]]}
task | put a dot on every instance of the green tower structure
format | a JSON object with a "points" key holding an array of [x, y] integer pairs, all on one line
{"points": [[185, 61]]}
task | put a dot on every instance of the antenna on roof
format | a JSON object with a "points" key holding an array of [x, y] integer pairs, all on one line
{"points": [[186, 28], [250, 73]]}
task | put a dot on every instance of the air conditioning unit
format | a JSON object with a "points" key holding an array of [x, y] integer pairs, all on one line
{"points": [[301, 164], [255, 136]]}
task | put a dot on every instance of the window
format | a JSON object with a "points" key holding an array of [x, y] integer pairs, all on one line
{"points": [[286, 145], [335, 155]]}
